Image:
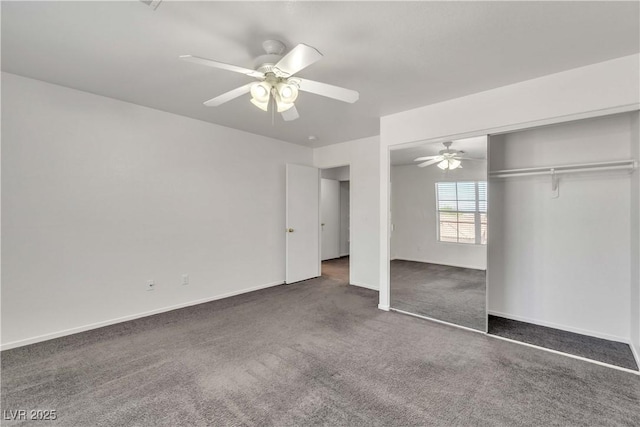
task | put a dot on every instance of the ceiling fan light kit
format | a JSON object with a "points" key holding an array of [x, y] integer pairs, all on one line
{"points": [[449, 164], [279, 89], [264, 106], [282, 106], [260, 91], [288, 92], [276, 83]]}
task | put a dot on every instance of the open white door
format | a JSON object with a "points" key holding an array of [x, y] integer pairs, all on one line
{"points": [[303, 223]]}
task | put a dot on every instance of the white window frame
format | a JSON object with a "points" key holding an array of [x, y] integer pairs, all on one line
{"points": [[477, 212]]}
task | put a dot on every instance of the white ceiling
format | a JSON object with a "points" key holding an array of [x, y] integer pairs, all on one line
{"points": [[398, 55]]}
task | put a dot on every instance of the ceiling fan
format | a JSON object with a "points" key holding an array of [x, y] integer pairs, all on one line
{"points": [[276, 82], [448, 159]]}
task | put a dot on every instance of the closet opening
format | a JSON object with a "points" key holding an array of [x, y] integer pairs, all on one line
{"points": [[560, 257]]}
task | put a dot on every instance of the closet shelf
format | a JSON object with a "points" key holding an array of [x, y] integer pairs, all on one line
{"points": [[629, 165]]}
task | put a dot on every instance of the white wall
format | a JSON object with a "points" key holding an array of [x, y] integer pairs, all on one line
{"points": [[339, 174], [562, 262], [590, 91], [635, 238], [345, 195], [363, 157], [414, 235], [586, 90], [100, 195]]}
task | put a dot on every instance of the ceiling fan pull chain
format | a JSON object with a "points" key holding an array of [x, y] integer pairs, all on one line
{"points": [[273, 112]]}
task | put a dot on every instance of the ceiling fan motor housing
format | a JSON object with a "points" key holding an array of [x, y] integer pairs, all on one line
{"points": [[449, 151], [273, 47], [266, 63], [274, 50]]}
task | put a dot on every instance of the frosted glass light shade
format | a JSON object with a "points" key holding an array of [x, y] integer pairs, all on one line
{"points": [[261, 105], [283, 106], [288, 92], [449, 164], [260, 92]]}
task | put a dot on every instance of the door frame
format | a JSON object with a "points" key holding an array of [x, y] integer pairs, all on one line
{"points": [[340, 165]]}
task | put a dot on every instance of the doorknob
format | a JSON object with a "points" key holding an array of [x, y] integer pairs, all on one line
{"points": [[290, 230], [322, 224]]}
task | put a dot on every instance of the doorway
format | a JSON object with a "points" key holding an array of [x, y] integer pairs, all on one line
{"points": [[334, 223]]}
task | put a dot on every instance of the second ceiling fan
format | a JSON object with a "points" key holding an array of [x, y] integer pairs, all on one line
{"points": [[447, 159], [276, 83]]}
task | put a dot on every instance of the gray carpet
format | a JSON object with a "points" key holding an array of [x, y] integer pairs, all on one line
{"points": [[312, 353], [614, 353], [337, 269], [452, 294]]}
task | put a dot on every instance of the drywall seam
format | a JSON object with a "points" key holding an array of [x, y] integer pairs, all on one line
{"points": [[71, 331]]}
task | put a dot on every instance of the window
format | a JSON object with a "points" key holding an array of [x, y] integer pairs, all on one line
{"points": [[462, 212]]}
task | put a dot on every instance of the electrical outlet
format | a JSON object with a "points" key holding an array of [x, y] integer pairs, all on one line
{"points": [[151, 285], [185, 279]]}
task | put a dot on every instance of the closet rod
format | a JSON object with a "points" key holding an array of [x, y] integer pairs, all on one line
{"points": [[629, 165]]}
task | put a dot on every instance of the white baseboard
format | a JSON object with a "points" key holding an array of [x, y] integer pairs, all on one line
{"points": [[383, 307], [344, 254], [609, 337], [426, 261], [71, 331], [364, 285]]}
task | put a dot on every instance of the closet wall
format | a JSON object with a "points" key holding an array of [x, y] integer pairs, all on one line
{"points": [[563, 262]]}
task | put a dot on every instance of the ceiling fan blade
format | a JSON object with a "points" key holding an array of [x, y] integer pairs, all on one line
{"points": [[298, 58], [228, 96], [222, 66], [471, 158], [290, 114], [324, 89], [419, 159], [429, 163]]}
